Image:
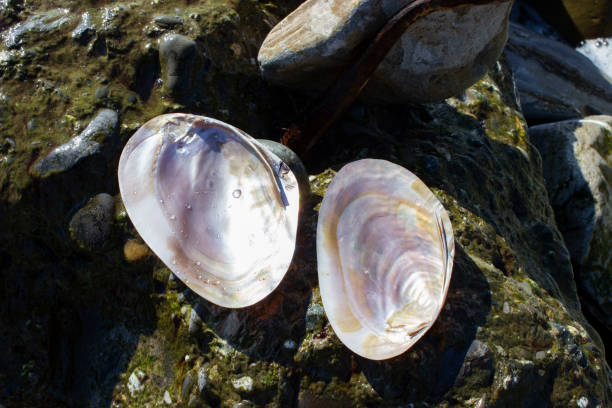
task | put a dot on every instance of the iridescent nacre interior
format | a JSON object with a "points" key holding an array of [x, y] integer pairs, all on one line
{"points": [[385, 252], [216, 207]]}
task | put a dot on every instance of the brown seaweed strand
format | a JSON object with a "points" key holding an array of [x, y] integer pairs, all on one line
{"points": [[315, 121]]}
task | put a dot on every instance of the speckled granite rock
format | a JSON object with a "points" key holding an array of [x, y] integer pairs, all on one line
{"points": [[437, 57], [577, 166], [555, 82]]}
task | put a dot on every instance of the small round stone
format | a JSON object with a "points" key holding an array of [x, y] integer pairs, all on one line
{"points": [[133, 250]]}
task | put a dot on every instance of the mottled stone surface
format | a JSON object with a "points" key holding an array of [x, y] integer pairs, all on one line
{"points": [[90, 226], [555, 82], [440, 55], [577, 166]]}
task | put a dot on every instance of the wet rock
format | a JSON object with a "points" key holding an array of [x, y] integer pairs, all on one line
{"points": [[438, 56], [577, 166], [98, 134], [599, 51], [292, 160], [90, 227], [178, 59], [101, 93], [168, 21], [555, 82], [39, 23], [85, 30]]}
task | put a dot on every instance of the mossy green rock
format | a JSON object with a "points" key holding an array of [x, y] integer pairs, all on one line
{"points": [[75, 325]]}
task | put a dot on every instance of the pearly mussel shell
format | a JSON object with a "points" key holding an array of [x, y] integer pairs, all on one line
{"points": [[218, 209], [385, 252]]}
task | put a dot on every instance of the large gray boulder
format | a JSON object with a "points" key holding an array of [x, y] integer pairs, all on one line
{"points": [[438, 56], [577, 166], [555, 81]]}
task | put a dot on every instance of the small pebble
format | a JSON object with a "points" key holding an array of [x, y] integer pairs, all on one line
{"points": [[134, 382], [243, 384], [101, 93], [202, 377], [289, 345], [187, 383], [167, 398], [133, 250]]}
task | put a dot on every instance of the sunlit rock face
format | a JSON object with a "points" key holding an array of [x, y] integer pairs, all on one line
{"points": [[439, 55], [385, 252], [577, 166], [218, 208]]}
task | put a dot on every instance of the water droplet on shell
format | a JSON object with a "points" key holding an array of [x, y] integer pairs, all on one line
{"points": [[236, 193]]}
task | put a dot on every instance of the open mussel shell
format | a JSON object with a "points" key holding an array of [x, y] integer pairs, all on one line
{"points": [[385, 252], [216, 207]]}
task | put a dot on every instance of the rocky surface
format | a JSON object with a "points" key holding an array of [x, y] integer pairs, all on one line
{"points": [[113, 327], [599, 51], [578, 19], [86, 145], [438, 56], [554, 80], [577, 166]]}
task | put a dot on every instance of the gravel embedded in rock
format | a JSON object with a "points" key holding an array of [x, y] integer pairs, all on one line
{"points": [[101, 93], [202, 378], [135, 384], [90, 227], [168, 21]]}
